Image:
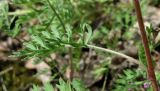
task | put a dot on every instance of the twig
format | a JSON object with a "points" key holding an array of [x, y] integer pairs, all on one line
{"points": [[150, 67], [130, 59]]}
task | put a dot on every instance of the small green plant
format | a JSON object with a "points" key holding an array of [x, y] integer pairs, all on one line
{"points": [[150, 67], [55, 25], [75, 85], [130, 80]]}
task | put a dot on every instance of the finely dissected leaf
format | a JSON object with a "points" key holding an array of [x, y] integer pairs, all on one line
{"points": [[149, 31], [69, 33], [48, 87], [89, 34], [121, 81], [55, 32], [35, 88], [100, 71], [30, 46], [16, 30], [142, 57], [63, 86], [46, 34], [39, 41], [129, 80], [78, 85]]}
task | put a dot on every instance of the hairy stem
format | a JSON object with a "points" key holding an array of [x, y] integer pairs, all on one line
{"points": [[130, 59], [70, 48], [20, 12], [150, 67]]}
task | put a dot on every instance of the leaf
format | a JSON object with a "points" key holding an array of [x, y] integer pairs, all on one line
{"points": [[55, 32], [39, 41], [141, 55], [35, 88], [48, 87], [89, 34], [78, 85], [129, 80], [100, 71], [149, 31], [30, 46], [63, 86], [69, 33], [16, 30], [46, 34]]}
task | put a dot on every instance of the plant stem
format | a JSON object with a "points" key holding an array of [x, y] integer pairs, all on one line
{"points": [[49, 22], [130, 59], [104, 83], [150, 67], [70, 48], [6, 70], [20, 12], [57, 15], [3, 84]]}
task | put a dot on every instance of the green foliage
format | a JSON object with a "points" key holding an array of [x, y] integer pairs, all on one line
{"points": [[141, 52], [134, 80], [46, 42], [35, 88], [63, 86], [78, 85], [141, 55], [52, 35], [55, 25], [48, 87], [3, 15], [102, 69], [158, 77], [150, 31], [131, 79], [75, 85]]}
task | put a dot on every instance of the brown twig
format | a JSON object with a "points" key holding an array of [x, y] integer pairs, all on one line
{"points": [[150, 67]]}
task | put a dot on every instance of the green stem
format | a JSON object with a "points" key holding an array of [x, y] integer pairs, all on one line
{"points": [[130, 59], [20, 12], [104, 83], [70, 48], [50, 22], [57, 15]]}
